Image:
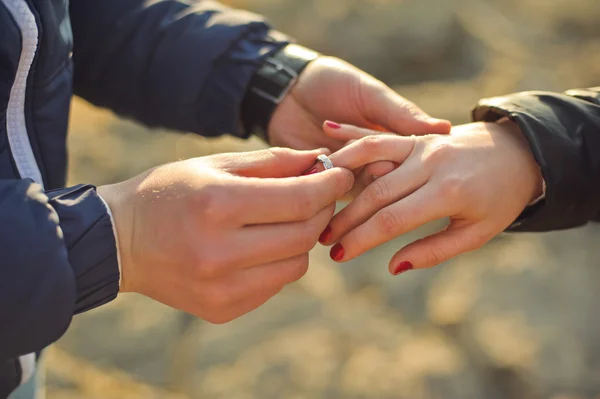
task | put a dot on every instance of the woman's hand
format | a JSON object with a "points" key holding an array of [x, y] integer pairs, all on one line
{"points": [[220, 235], [481, 176]]}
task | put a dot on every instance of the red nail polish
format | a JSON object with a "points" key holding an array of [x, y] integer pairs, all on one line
{"points": [[403, 267], [325, 235], [310, 172], [337, 252], [333, 125]]}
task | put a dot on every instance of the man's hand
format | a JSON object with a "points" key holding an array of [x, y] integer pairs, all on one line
{"points": [[218, 236], [482, 176], [332, 89]]}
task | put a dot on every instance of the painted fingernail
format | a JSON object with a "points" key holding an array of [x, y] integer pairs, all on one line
{"points": [[325, 235], [310, 172], [337, 252], [403, 267], [333, 125]]}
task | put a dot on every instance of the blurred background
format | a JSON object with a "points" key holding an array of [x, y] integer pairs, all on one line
{"points": [[518, 319]]}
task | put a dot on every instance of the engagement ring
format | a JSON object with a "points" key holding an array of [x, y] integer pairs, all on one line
{"points": [[324, 159]]}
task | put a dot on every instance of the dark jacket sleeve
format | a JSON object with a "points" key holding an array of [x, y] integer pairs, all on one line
{"points": [[182, 65], [563, 131], [58, 257]]}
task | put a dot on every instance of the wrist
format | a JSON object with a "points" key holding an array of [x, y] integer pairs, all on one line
{"points": [[112, 196], [538, 185], [271, 84]]}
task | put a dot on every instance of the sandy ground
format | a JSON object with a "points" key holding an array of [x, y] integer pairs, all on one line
{"points": [[516, 320]]}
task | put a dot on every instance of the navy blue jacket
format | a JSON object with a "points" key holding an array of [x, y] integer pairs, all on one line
{"points": [[183, 65]]}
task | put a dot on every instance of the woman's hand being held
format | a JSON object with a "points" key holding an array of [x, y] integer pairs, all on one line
{"points": [[481, 176]]}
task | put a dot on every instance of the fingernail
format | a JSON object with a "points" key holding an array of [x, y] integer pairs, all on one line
{"points": [[325, 235], [337, 252], [333, 125], [310, 172], [403, 267]]}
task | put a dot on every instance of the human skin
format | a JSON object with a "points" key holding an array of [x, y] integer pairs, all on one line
{"points": [[332, 89], [218, 236], [481, 176]]}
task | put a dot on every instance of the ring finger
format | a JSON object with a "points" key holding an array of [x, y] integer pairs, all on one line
{"points": [[384, 191]]}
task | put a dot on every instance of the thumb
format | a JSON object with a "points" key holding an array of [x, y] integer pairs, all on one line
{"points": [[270, 163], [393, 112], [438, 248]]}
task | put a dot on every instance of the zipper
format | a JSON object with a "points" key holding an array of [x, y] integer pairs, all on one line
{"points": [[16, 126]]}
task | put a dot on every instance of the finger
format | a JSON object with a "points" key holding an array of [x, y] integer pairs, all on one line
{"points": [[269, 277], [259, 244], [273, 162], [264, 201], [380, 168], [372, 149], [375, 169], [388, 109], [401, 217], [349, 133], [292, 127], [381, 193], [241, 292], [438, 248], [369, 174]]}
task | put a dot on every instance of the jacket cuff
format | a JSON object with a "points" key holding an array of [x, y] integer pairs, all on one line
{"points": [[544, 120], [221, 105], [91, 244]]}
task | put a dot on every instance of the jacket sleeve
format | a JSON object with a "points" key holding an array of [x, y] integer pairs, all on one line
{"points": [[58, 257], [563, 131], [183, 65]]}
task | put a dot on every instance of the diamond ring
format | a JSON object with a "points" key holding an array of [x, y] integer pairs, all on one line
{"points": [[324, 159]]}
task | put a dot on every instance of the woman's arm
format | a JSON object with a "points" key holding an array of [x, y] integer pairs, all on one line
{"points": [[563, 132]]}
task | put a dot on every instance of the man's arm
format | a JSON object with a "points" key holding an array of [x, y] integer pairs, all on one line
{"points": [[563, 131], [169, 63], [57, 258]]}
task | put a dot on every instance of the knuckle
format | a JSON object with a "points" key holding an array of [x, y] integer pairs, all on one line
{"points": [[352, 241], [436, 256], [306, 205], [378, 192], [452, 187], [341, 223], [438, 152], [388, 222], [308, 236], [216, 297], [279, 152], [300, 272], [210, 204], [477, 241], [343, 182], [210, 265], [296, 270], [410, 109], [372, 144]]}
